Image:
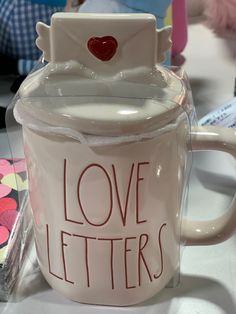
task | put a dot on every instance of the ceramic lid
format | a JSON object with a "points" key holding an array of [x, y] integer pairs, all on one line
{"points": [[102, 77]]}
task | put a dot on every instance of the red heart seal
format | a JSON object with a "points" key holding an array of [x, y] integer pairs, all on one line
{"points": [[103, 48]]}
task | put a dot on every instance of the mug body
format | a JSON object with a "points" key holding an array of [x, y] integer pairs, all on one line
{"points": [[107, 218]]}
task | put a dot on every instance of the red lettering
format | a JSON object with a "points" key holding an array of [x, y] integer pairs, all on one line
{"points": [[65, 201], [48, 253], [111, 257], [86, 255], [63, 244], [156, 276], [110, 195], [137, 191], [141, 257], [123, 213], [125, 260]]}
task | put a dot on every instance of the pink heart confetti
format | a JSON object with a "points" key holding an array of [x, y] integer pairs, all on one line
{"points": [[7, 203], [4, 235], [19, 166], [5, 167], [4, 190], [8, 218]]}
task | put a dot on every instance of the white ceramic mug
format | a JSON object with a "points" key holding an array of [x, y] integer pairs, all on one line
{"points": [[108, 219]]}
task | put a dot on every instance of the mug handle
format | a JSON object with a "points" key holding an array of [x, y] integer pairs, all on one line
{"points": [[220, 229]]}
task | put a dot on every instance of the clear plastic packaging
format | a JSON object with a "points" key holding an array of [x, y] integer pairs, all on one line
{"points": [[17, 251], [108, 156], [136, 141], [15, 216], [14, 222]]}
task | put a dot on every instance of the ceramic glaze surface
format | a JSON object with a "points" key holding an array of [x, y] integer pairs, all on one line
{"points": [[109, 230]]}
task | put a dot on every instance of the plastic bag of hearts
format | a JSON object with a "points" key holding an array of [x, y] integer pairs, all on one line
{"points": [[15, 226]]}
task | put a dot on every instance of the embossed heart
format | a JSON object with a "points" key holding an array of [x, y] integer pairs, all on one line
{"points": [[103, 48]]}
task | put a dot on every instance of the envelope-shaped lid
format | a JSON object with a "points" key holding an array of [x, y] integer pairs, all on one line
{"points": [[102, 76], [105, 43]]}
